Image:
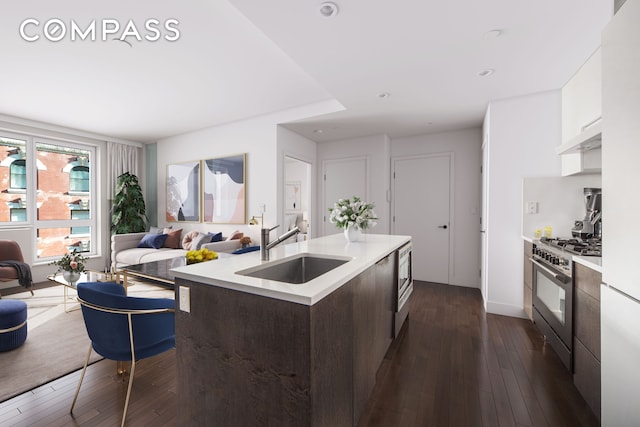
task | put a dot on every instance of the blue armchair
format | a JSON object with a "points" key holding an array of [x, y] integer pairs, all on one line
{"points": [[124, 328]]}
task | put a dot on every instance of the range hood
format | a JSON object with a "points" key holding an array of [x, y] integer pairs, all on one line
{"points": [[589, 139]]}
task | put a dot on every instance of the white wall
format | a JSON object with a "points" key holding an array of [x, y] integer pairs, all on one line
{"points": [[258, 138], [466, 191], [376, 149], [560, 201], [522, 135]]}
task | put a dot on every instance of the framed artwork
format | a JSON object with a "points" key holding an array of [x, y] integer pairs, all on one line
{"points": [[183, 192], [224, 190], [292, 196]]}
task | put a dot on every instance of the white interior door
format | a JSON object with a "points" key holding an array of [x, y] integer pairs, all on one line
{"points": [[421, 209], [343, 179]]}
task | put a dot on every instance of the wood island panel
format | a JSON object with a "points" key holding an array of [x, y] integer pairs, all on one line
{"points": [[254, 360]]}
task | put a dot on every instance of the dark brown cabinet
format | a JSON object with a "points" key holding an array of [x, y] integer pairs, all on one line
{"points": [[372, 327], [245, 359], [528, 280], [586, 330]]}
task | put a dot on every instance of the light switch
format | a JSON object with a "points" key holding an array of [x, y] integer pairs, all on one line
{"points": [[185, 299], [532, 207]]}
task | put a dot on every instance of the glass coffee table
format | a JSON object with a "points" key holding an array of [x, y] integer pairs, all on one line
{"points": [[85, 276], [157, 272]]}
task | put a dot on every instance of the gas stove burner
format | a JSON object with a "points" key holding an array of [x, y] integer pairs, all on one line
{"points": [[584, 247]]}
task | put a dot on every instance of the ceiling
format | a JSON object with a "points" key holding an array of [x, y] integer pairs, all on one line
{"points": [[236, 59]]}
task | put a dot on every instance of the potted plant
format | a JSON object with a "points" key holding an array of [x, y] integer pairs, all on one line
{"points": [[71, 265], [128, 211], [353, 216]]}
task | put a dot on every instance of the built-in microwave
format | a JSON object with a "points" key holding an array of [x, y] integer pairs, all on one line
{"points": [[404, 285]]}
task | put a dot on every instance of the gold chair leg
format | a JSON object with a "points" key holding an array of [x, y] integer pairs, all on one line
{"points": [[122, 368], [86, 363], [126, 401]]}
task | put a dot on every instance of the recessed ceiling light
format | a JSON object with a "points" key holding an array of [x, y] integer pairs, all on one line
{"points": [[492, 34], [487, 72], [318, 131], [384, 95], [328, 9]]}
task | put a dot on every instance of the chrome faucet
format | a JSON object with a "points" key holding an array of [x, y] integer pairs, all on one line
{"points": [[265, 246]]}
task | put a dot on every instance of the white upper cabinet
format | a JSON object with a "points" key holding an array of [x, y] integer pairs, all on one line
{"points": [[581, 119]]}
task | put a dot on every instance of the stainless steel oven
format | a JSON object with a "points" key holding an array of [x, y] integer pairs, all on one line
{"points": [[404, 286], [553, 300]]}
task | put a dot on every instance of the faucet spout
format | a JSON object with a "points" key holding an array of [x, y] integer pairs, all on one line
{"points": [[265, 245]]}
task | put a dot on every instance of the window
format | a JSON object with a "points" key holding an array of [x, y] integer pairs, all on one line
{"points": [[18, 172], [80, 214], [49, 185], [63, 198], [13, 176], [18, 214], [79, 179]]}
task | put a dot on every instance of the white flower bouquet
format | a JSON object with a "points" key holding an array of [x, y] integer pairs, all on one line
{"points": [[352, 213]]}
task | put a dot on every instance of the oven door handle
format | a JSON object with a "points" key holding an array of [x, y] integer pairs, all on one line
{"points": [[558, 276]]}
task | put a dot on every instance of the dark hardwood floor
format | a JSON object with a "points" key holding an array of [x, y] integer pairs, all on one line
{"points": [[453, 366]]}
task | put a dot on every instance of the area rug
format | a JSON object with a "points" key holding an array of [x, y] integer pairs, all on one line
{"points": [[57, 342]]}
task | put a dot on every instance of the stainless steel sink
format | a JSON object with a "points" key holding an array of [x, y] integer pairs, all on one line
{"points": [[297, 269]]}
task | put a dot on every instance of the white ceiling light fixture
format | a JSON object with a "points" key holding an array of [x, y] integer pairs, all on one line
{"points": [[384, 95], [487, 72], [328, 9]]}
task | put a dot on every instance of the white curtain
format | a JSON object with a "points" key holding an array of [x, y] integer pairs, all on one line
{"points": [[121, 158]]}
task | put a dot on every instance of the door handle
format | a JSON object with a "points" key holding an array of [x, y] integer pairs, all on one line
{"points": [[443, 226]]}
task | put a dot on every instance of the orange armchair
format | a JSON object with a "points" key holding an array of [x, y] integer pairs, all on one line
{"points": [[12, 265]]}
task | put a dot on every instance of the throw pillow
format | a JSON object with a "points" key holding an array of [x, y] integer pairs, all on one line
{"points": [[245, 250], [200, 240], [173, 238], [154, 241], [187, 240], [235, 235], [216, 237]]}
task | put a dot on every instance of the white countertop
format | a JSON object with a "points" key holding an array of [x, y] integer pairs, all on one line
{"points": [[364, 254]]}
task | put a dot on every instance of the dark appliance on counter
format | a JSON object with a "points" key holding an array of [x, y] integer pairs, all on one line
{"points": [[553, 297], [590, 227], [404, 287]]}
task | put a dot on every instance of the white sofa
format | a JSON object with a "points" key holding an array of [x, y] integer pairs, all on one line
{"points": [[125, 250]]}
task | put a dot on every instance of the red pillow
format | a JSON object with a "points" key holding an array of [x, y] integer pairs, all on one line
{"points": [[173, 238]]}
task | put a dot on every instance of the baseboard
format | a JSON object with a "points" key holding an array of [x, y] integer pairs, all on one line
{"points": [[466, 285], [505, 310], [10, 284]]}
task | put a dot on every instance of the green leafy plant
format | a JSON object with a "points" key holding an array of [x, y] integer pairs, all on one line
{"points": [[128, 211]]}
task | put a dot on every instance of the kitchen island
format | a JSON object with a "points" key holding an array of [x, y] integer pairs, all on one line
{"points": [[252, 351]]}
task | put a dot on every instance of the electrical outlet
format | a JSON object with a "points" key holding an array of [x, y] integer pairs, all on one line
{"points": [[185, 299], [532, 207]]}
